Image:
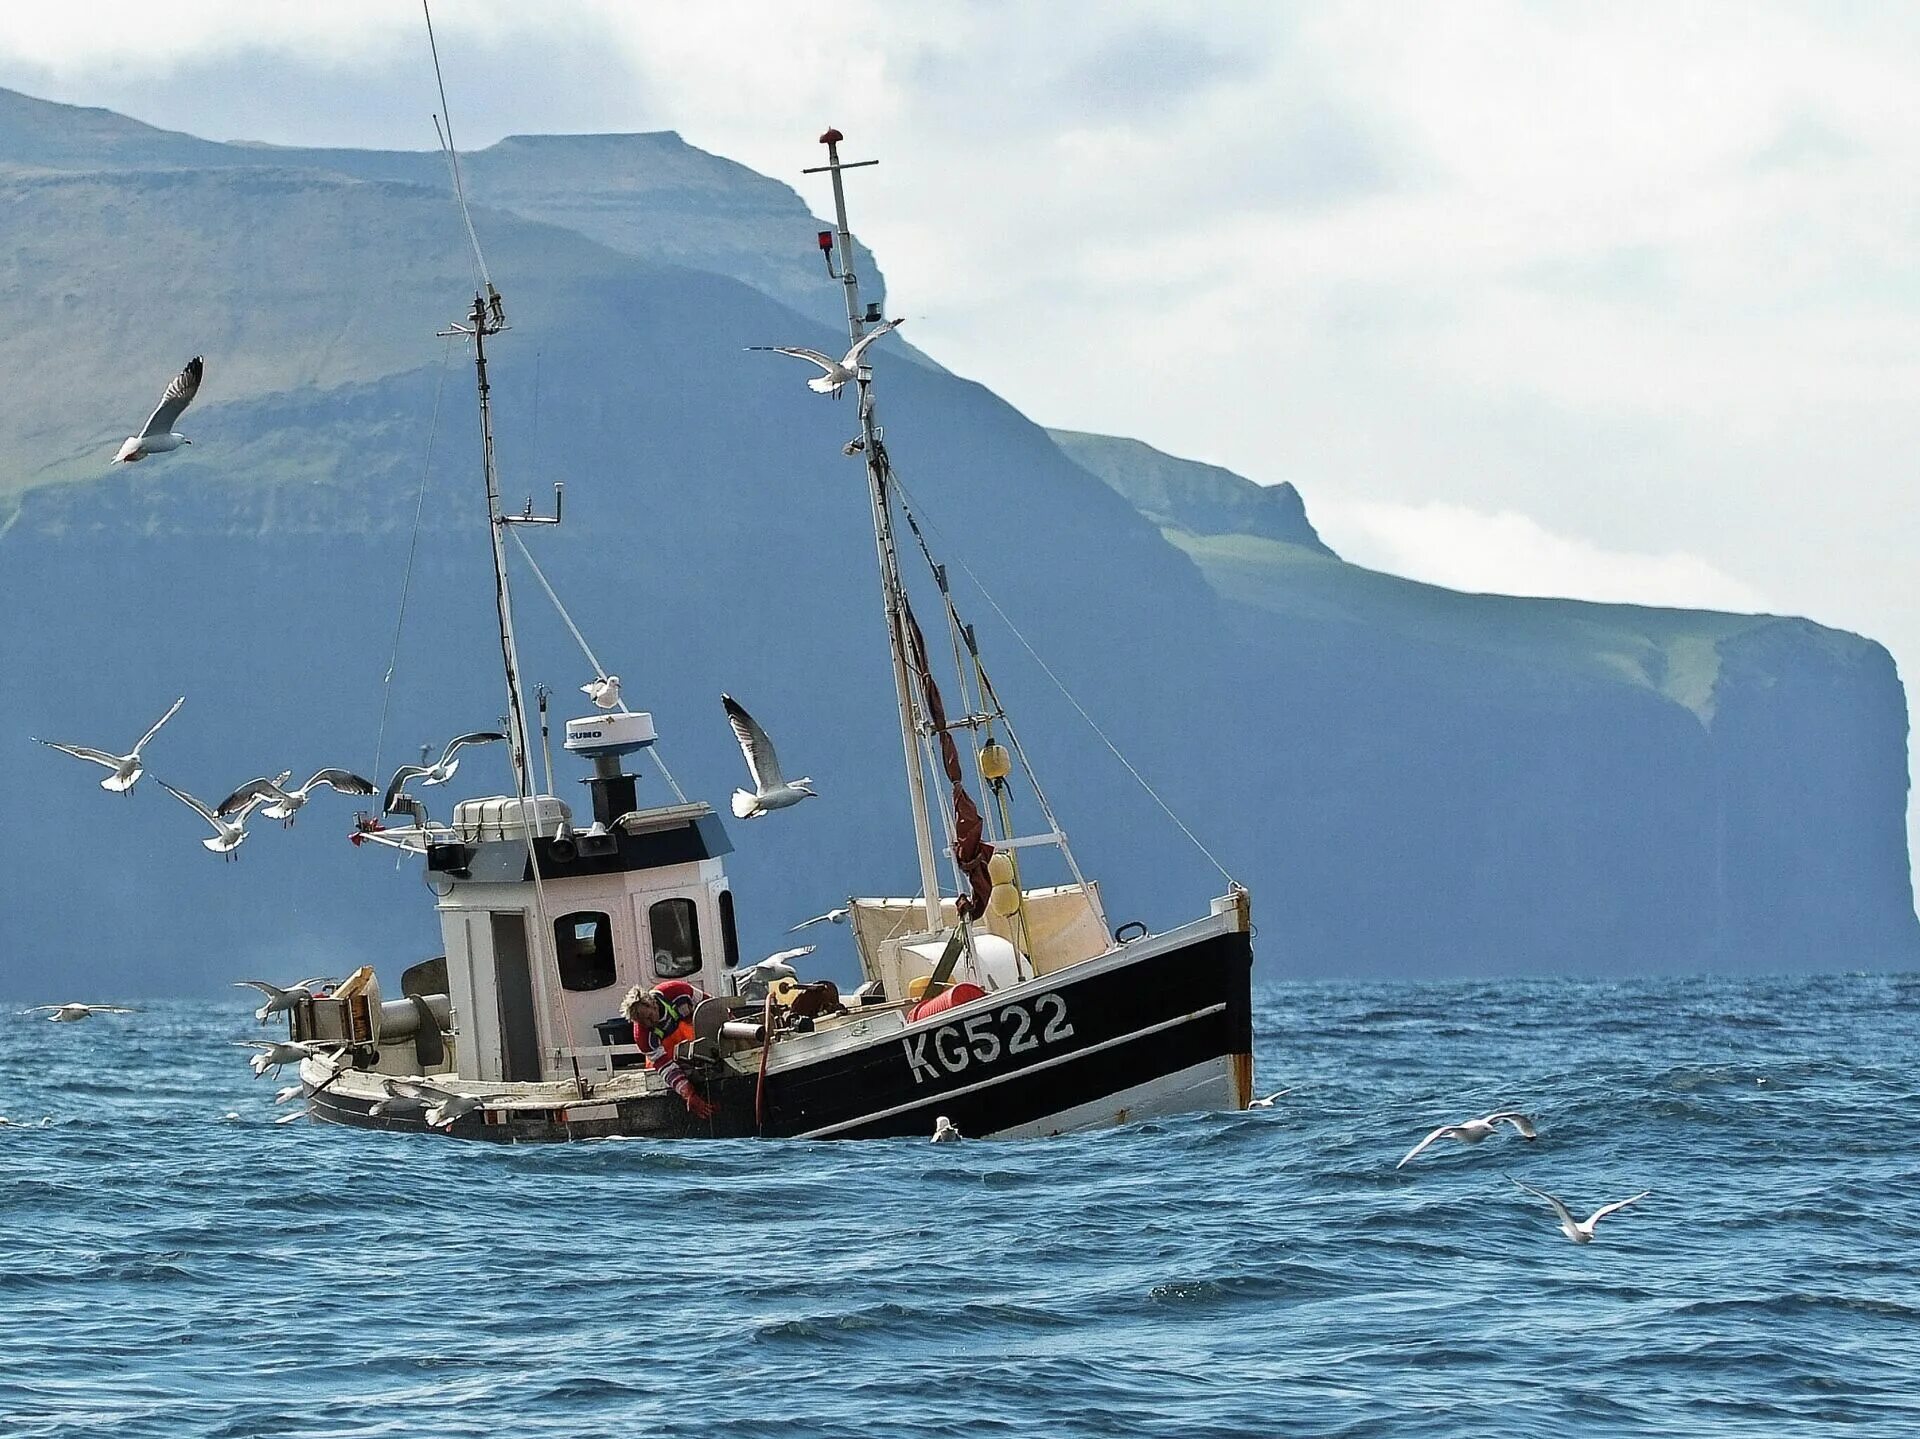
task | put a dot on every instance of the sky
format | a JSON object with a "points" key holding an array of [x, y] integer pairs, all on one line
{"points": [[1614, 302]]}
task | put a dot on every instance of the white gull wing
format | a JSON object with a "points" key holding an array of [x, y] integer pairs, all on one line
{"points": [[762, 762], [1604, 1210], [179, 395], [400, 777], [455, 744], [343, 780], [200, 809], [852, 361], [1442, 1132], [1522, 1123], [80, 751], [172, 710], [253, 790], [1566, 1216], [800, 352]]}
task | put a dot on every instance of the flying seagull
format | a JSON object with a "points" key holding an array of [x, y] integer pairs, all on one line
{"points": [[272, 1053], [283, 804], [158, 436], [770, 791], [437, 773], [832, 916], [945, 1131], [127, 768], [835, 373], [604, 692], [72, 1013], [1580, 1231], [229, 832], [1268, 1101], [1473, 1131], [279, 1000], [443, 1106]]}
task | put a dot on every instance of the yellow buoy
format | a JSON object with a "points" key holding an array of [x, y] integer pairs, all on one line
{"points": [[995, 762], [1000, 868], [1004, 900]]}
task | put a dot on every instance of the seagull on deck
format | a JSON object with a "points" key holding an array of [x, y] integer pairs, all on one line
{"points": [[832, 916], [127, 768], [157, 437], [283, 804], [836, 373], [945, 1131], [229, 832], [1472, 1131], [604, 692], [279, 1000], [73, 1013], [437, 773], [770, 791], [1580, 1231], [1268, 1101]]}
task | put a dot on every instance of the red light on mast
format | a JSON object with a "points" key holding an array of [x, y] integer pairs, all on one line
{"points": [[826, 239], [832, 137]]}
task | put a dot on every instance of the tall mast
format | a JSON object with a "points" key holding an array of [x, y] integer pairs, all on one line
{"points": [[488, 318], [892, 591]]}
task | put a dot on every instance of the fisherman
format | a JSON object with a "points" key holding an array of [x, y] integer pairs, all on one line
{"points": [[662, 1020]]}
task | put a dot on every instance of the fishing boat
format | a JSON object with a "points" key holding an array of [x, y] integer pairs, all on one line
{"points": [[1009, 1009]]}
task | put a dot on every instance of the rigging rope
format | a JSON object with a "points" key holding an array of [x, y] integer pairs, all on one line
{"points": [[1059, 684], [406, 580], [599, 670], [453, 156]]}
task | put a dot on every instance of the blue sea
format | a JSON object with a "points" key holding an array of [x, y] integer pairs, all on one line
{"points": [[173, 1265]]}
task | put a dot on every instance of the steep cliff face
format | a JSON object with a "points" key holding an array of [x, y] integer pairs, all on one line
{"points": [[1412, 781], [1492, 783]]}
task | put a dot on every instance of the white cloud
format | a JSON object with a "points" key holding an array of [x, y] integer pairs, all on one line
{"points": [[1510, 554]]}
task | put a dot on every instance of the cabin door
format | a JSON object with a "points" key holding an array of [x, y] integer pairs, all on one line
{"points": [[513, 980]]}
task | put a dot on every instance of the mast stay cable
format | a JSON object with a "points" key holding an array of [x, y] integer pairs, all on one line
{"points": [[906, 498]]}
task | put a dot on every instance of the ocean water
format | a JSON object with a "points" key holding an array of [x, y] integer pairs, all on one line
{"points": [[174, 1265]]}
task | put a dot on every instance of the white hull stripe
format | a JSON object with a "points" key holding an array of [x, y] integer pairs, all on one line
{"points": [[950, 1094]]}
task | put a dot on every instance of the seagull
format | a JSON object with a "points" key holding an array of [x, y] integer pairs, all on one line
{"points": [[835, 373], [1475, 1130], [73, 1013], [832, 916], [1267, 1103], [1580, 1231], [127, 768], [158, 437], [604, 692], [230, 832], [770, 791], [945, 1131], [283, 804], [279, 1000], [404, 1096], [272, 1053], [437, 773], [754, 981]]}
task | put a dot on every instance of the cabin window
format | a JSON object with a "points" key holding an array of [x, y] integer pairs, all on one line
{"points": [[583, 950], [676, 938], [729, 937]]}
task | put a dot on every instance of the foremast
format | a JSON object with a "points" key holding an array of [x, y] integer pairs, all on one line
{"points": [[893, 589]]}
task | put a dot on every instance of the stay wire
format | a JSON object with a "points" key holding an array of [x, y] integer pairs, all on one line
{"points": [[453, 155], [908, 497]]}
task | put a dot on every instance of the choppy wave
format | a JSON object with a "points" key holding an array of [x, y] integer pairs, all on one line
{"points": [[177, 1266]]}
